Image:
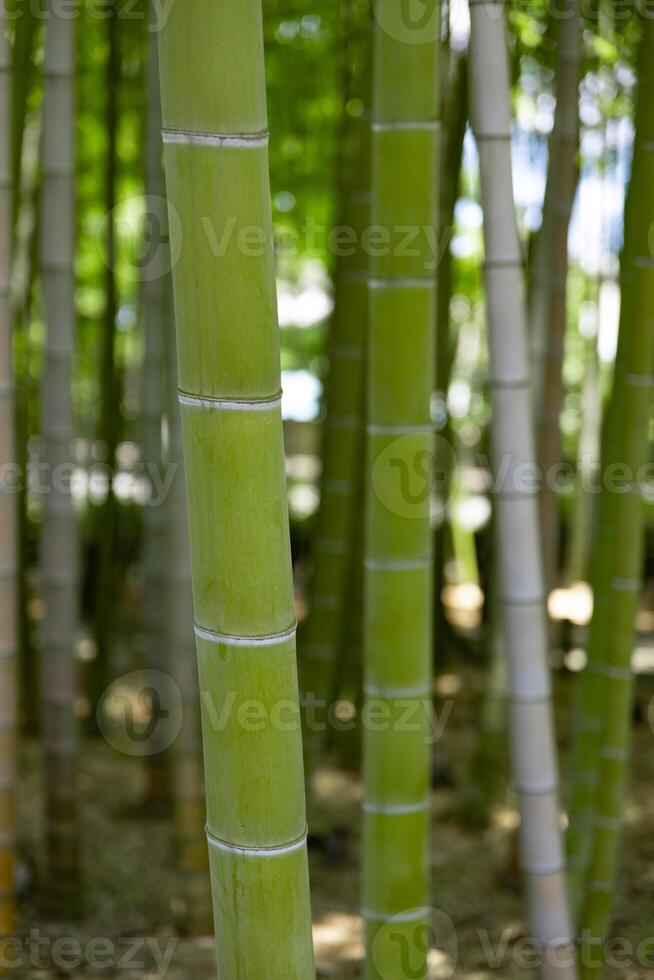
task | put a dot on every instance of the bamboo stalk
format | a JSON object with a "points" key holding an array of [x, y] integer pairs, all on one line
{"points": [[549, 291], [627, 446], [522, 598], [59, 557], [216, 160], [398, 541], [8, 515], [331, 586], [157, 298], [175, 636]]}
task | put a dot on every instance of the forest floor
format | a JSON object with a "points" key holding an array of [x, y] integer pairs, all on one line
{"points": [[130, 883]]}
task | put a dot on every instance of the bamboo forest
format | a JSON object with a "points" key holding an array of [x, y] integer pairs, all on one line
{"points": [[327, 489]]}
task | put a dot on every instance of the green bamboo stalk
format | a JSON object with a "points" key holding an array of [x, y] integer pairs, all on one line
{"points": [[8, 514], [521, 597], [322, 647], [398, 540], [157, 298], [106, 523], [588, 714], [631, 407], [59, 549], [549, 291], [216, 160]]}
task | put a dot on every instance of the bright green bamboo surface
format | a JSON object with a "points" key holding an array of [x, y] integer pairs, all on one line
{"points": [[628, 451], [398, 540], [215, 152]]}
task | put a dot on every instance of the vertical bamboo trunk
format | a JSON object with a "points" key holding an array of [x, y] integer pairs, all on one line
{"points": [[156, 300], [8, 515], [550, 288], [331, 586], [109, 419], [175, 639], [59, 558], [398, 644], [521, 597], [216, 160], [627, 455]]}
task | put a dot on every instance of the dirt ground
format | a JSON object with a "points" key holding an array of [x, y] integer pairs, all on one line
{"points": [[130, 881]]}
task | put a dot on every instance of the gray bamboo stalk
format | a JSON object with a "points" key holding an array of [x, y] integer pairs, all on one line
{"points": [[176, 649], [59, 557], [156, 301], [8, 513], [521, 575], [548, 299]]}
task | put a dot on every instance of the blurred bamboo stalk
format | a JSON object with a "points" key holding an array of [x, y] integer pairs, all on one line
{"points": [[170, 557], [157, 300], [323, 644], [522, 598], [609, 675], [8, 513], [216, 162], [548, 298], [59, 548], [398, 562]]}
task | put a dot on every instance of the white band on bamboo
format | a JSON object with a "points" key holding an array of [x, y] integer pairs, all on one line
{"points": [[644, 262], [396, 564], [405, 283], [640, 380], [8, 651], [614, 754], [607, 823], [547, 790], [224, 639], [430, 125], [603, 887], [399, 430], [417, 691], [228, 404], [222, 845], [397, 809], [243, 140], [611, 671], [543, 871], [626, 584], [414, 915]]}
